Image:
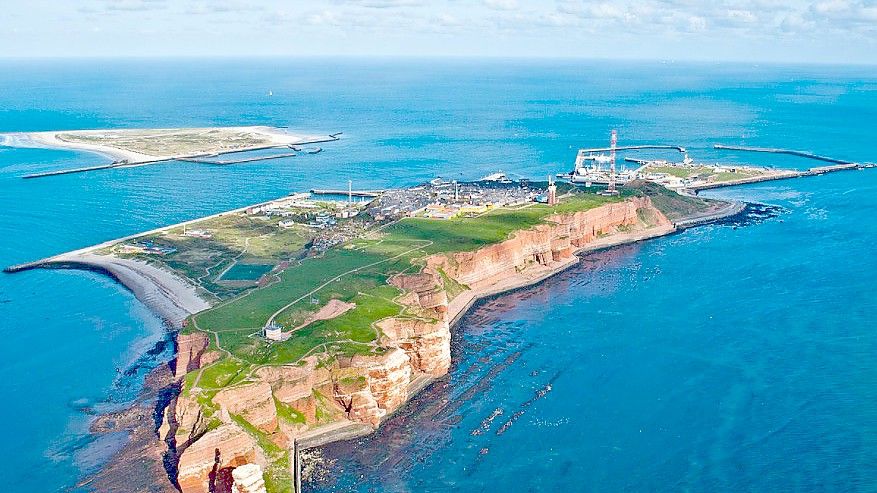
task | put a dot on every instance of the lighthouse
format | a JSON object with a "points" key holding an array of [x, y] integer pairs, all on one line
{"points": [[552, 192]]}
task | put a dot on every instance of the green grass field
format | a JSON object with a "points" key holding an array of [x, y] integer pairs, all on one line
{"points": [[703, 172], [246, 272], [670, 203], [357, 273], [257, 245], [466, 234]]}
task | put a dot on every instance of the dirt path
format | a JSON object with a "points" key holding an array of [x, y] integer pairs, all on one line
{"points": [[338, 277]]}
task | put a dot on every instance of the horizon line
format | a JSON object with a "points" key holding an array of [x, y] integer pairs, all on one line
{"points": [[364, 57]]}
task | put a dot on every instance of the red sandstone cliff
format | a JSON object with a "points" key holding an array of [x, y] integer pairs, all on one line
{"points": [[365, 389]]}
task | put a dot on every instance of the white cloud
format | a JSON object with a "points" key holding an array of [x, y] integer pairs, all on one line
{"points": [[501, 4], [646, 28]]}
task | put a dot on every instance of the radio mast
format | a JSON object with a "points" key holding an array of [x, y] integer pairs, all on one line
{"points": [[613, 142]]}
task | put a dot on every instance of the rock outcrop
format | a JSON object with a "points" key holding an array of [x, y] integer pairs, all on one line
{"points": [[299, 387], [188, 421], [212, 457], [248, 479], [370, 387], [545, 244]]}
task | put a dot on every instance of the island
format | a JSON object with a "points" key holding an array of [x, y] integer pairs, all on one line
{"points": [[139, 147], [312, 318]]}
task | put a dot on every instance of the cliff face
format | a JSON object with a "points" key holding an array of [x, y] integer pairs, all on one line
{"points": [[365, 389], [213, 457], [190, 348], [543, 245], [253, 402], [370, 387]]}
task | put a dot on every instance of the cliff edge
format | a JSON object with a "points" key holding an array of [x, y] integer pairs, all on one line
{"points": [[255, 419]]}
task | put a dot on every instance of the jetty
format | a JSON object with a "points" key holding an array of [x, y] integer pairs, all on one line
{"points": [[85, 169], [238, 161], [791, 152], [636, 148]]}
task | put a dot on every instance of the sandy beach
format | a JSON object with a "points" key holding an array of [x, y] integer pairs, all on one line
{"points": [[169, 296]]}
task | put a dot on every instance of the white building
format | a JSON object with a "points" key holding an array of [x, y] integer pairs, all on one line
{"points": [[274, 332]]}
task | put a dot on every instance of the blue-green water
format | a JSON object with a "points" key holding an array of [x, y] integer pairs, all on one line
{"points": [[720, 358]]}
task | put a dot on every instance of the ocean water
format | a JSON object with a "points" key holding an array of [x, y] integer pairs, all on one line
{"points": [[733, 356]]}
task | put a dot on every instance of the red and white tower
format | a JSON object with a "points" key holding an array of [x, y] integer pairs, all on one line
{"points": [[613, 142], [552, 191]]}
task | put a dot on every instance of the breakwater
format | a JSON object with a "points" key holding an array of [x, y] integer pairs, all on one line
{"points": [[239, 161], [85, 169], [791, 152], [637, 148]]}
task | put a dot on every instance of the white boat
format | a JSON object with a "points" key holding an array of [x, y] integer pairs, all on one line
{"points": [[499, 176], [599, 158]]}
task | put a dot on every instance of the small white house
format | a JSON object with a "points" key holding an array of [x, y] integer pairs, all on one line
{"points": [[274, 332]]}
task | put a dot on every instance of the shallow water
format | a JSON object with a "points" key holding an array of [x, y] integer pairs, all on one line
{"points": [[717, 358]]}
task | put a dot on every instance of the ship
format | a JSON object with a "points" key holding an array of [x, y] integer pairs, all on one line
{"points": [[498, 177]]}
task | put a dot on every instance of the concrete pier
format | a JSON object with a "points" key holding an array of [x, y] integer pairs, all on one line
{"points": [[636, 148], [238, 161], [790, 152]]}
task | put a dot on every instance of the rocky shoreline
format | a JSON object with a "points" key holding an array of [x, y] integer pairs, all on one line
{"points": [[143, 464]]}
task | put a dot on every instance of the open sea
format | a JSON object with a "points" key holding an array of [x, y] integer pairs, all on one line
{"points": [[733, 357]]}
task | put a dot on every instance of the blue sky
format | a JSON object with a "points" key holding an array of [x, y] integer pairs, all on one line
{"points": [[839, 31]]}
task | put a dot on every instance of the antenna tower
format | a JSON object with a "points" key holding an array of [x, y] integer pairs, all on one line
{"points": [[612, 144]]}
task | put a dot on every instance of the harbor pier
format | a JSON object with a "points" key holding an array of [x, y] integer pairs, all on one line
{"points": [[791, 152]]}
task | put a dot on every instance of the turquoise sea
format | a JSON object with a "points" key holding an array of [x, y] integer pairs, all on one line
{"points": [[732, 357]]}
